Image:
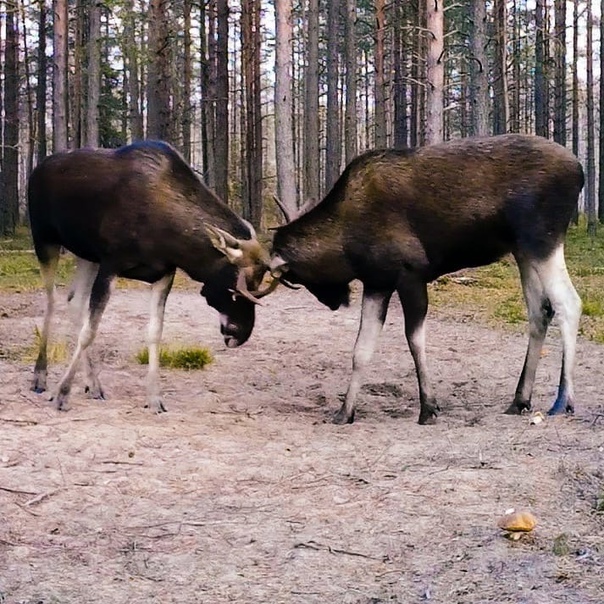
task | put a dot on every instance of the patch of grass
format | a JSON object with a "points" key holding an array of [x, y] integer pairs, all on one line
{"points": [[493, 294], [600, 502], [179, 358], [19, 269], [57, 351]]}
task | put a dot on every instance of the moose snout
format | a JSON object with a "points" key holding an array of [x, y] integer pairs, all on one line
{"points": [[234, 334]]}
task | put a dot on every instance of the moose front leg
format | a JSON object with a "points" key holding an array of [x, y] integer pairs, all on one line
{"points": [[373, 315], [159, 294], [413, 294]]}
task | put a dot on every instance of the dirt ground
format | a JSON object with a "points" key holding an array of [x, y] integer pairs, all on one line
{"points": [[245, 492]]}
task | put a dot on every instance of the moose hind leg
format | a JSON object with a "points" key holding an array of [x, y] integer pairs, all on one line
{"points": [[540, 313], [414, 299], [49, 260], [567, 306], [99, 296], [79, 296], [373, 315]]}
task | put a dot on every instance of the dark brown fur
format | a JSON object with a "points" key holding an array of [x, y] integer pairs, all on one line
{"points": [[407, 217]]}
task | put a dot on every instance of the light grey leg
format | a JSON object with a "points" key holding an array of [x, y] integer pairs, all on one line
{"points": [[373, 315], [99, 296], [79, 296], [159, 294], [540, 313], [48, 270], [567, 306]]}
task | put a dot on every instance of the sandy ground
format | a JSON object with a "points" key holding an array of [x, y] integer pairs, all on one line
{"points": [[245, 492]]}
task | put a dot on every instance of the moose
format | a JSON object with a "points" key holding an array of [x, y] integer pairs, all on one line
{"points": [[138, 212], [398, 219]]}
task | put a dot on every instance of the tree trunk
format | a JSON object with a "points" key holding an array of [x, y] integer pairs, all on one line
{"points": [[541, 88], [221, 140], [560, 73], [284, 142], [159, 122], [575, 90], [590, 190], [333, 152], [380, 135], [435, 72], [41, 87], [135, 116], [311, 107], [401, 130], [207, 104], [601, 133], [350, 119], [187, 109], [9, 201], [479, 83], [500, 83], [250, 59], [93, 95], [59, 77]]}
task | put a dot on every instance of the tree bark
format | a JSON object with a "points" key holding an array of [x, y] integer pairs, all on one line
{"points": [[221, 140], [479, 83], [41, 87], [435, 72], [311, 107], [501, 109], [541, 87], [284, 140], [350, 118], [560, 73], [9, 203], [601, 133], [187, 109], [333, 145], [59, 77], [590, 189], [380, 134], [91, 131], [159, 75], [401, 129]]}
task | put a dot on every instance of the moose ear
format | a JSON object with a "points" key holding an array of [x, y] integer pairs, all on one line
{"points": [[225, 243]]}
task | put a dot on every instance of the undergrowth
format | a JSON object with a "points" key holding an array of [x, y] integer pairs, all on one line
{"points": [[179, 358], [491, 294]]}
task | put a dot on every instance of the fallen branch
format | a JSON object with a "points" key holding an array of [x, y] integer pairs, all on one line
{"points": [[17, 491], [19, 422], [40, 497], [333, 550]]}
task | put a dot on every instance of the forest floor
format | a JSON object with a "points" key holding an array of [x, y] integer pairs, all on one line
{"points": [[244, 491]]}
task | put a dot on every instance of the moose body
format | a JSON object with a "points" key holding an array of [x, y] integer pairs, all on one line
{"points": [[398, 219], [138, 212]]}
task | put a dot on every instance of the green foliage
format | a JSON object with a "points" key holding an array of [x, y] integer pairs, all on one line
{"points": [[179, 358], [493, 293], [19, 269]]}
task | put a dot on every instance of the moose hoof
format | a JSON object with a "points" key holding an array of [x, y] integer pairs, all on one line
{"points": [[156, 405], [95, 392], [518, 408], [342, 417], [560, 407], [38, 384], [428, 415]]}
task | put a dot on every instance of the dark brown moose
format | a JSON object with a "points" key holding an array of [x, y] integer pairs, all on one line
{"points": [[138, 212], [397, 220]]}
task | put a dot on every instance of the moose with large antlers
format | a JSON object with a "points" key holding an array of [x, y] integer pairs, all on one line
{"points": [[138, 212], [397, 220]]}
